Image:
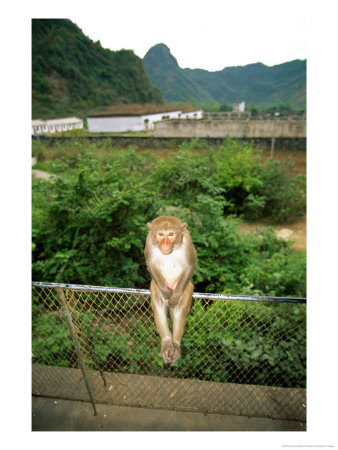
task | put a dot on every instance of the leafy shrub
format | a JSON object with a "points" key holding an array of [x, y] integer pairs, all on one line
{"points": [[89, 227], [51, 342], [89, 224], [226, 342], [93, 223], [283, 197], [241, 343], [258, 189], [238, 172]]}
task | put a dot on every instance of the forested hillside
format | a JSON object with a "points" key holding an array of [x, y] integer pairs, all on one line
{"points": [[254, 83], [71, 74]]}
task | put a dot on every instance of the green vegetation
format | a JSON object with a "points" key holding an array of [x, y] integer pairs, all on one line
{"points": [[90, 222], [254, 83], [235, 342], [89, 227], [73, 75]]}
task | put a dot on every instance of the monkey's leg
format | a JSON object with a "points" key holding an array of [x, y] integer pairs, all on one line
{"points": [[178, 316], [159, 307]]}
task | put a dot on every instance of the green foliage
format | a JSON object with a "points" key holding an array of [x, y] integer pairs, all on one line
{"points": [[89, 227], [51, 342], [225, 107], [258, 189], [280, 107], [253, 110], [89, 224], [239, 343], [233, 342], [184, 176], [282, 194], [73, 75], [94, 221]]}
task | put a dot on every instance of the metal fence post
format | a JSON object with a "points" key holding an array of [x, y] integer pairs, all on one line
{"points": [[76, 346]]}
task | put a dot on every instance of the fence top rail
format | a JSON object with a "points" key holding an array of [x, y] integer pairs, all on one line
{"points": [[250, 298]]}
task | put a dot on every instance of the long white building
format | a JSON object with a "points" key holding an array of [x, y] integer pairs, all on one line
{"points": [[55, 125], [141, 118]]}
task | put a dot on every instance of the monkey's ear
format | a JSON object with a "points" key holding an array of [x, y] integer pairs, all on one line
{"points": [[149, 225], [184, 226]]}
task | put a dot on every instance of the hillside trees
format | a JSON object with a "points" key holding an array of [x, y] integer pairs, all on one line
{"points": [[253, 83], [73, 75]]}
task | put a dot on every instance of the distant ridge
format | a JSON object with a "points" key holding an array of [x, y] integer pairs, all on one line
{"points": [[253, 83]]}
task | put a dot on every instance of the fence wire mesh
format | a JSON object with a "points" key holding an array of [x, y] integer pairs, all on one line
{"points": [[238, 357]]}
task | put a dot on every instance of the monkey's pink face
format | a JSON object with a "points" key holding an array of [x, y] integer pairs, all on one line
{"points": [[166, 239]]}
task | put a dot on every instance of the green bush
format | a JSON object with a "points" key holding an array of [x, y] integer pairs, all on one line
{"points": [[51, 342], [241, 343], [89, 227], [89, 224], [233, 342], [257, 189]]}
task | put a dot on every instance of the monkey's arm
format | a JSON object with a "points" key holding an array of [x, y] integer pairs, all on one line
{"points": [[183, 281], [160, 282]]}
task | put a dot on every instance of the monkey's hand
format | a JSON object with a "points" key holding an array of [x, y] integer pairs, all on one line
{"points": [[166, 292], [173, 300]]}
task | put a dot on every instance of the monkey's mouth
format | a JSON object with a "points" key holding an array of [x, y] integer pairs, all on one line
{"points": [[166, 250]]}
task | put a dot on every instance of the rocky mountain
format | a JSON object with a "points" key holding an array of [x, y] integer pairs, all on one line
{"points": [[254, 83]]}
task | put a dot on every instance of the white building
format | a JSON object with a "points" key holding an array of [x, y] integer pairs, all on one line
{"points": [[56, 125], [238, 107], [142, 118]]}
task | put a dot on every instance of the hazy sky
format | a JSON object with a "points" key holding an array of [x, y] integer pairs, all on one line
{"points": [[211, 35]]}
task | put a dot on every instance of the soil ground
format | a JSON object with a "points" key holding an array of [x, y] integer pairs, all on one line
{"points": [[295, 232], [298, 157]]}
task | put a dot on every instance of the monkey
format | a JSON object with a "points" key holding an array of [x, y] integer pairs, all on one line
{"points": [[171, 260]]}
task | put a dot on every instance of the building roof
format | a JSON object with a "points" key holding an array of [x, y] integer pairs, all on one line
{"points": [[64, 120], [55, 121], [136, 109]]}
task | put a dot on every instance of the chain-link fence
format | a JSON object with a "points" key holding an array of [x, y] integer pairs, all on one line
{"points": [[240, 355]]}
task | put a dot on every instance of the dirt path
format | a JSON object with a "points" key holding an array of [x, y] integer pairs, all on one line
{"points": [[39, 173], [295, 232]]}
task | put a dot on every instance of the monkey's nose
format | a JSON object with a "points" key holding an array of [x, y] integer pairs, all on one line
{"points": [[166, 242]]}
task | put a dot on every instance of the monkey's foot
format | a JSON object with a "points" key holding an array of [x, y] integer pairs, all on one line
{"points": [[167, 352], [170, 352], [177, 353]]}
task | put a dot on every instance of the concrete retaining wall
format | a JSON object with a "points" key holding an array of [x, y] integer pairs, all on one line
{"points": [[231, 128]]}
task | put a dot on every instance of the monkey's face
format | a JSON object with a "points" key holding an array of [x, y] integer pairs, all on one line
{"points": [[166, 240]]}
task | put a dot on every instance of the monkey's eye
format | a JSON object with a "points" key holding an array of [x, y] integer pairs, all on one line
{"points": [[161, 234], [171, 234]]}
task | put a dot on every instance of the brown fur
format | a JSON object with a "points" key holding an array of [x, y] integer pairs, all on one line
{"points": [[179, 297]]}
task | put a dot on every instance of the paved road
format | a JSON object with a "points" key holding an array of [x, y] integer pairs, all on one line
{"points": [[64, 415]]}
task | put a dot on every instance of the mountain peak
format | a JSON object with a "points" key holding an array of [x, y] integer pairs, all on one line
{"points": [[160, 54]]}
